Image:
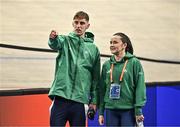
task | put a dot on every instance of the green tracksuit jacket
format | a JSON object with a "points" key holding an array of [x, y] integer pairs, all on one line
{"points": [[77, 70], [133, 89]]}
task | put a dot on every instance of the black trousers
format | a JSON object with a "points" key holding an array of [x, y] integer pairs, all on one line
{"points": [[120, 118], [64, 110]]}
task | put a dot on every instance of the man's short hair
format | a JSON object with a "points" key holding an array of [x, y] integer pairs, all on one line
{"points": [[81, 15]]}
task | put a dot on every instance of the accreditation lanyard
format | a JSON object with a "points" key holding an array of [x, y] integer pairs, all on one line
{"points": [[122, 73]]}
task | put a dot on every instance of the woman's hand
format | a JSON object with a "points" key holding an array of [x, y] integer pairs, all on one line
{"points": [[101, 120], [140, 118]]}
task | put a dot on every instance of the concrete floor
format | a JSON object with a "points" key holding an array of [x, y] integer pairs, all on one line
{"points": [[152, 25]]}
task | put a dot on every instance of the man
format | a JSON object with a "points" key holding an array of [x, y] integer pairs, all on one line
{"points": [[77, 73]]}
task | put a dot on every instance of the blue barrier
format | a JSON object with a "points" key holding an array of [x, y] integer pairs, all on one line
{"points": [[162, 107]]}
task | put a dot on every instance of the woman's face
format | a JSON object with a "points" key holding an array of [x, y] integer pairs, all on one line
{"points": [[116, 45]]}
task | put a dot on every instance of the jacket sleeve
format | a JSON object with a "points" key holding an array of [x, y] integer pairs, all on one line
{"points": [[56, 43], [95, 79], [102, 91], [140, 92]]}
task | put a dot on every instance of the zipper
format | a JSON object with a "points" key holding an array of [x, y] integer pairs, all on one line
{"points": [[75, 72]]}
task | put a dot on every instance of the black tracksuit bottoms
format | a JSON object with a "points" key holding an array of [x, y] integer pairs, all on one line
{"points": [[64, 110]]}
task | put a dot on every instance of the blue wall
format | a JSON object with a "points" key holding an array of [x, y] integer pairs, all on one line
{"points": [[150, 109], [162, 107], [168, 105]]}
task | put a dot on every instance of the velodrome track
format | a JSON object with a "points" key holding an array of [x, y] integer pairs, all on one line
{"points": [[152, 25]]}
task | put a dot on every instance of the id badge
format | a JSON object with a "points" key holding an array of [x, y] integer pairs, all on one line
{"points": [[114, 91]]}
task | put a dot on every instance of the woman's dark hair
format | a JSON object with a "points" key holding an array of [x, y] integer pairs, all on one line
{"points": [[125, 39]]}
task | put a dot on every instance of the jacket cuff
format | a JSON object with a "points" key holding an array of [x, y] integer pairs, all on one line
{"points": [[101, 112], [93, 102], [138, 111]]}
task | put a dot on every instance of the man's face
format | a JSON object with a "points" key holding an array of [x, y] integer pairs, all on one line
{"points": [[80, 26]]}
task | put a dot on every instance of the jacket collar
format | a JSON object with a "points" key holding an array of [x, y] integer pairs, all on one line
{"points": [[89, 37], [127, 56]]}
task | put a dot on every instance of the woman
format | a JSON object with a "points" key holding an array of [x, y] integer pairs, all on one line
{"points": [[122, 86]]}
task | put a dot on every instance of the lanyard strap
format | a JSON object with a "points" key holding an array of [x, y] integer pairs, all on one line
{"points": [[122, 73]]}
